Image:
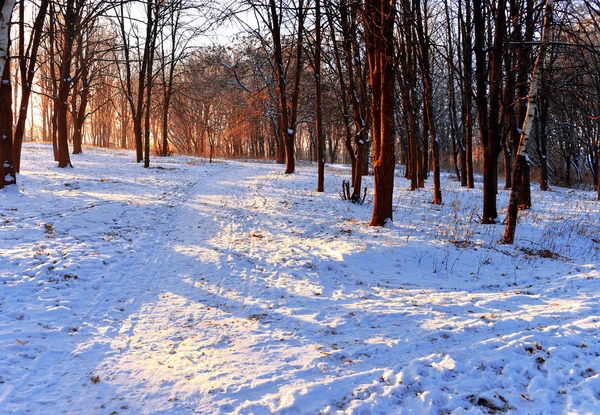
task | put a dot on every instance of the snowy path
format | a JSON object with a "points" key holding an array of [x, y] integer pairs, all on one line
{"points": [[197, 288]]}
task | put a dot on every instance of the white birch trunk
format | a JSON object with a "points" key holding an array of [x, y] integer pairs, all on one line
{"points": [[532, 102], [6, 7]]}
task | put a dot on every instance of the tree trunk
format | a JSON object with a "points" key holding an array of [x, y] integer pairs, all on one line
{"points": [[524, 70], [27, 74], [379, 30], [467, 118], [79, 120], [151, 30], [80, 114], [457, 147], [6, 8], [489, 120], [598, 174], [287, 117], [513, 206], [408, 92], [7, 170], [428, 103], [357, 95], [540, 136], [318, 109], [61, 101]]}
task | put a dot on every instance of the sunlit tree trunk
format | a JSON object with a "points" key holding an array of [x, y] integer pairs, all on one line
{"points": [[7, 170], [61, 101], [151, 32], [318, 97], [379, 31], [79, 115], [526, 132], [27, 72], [466, 31]]}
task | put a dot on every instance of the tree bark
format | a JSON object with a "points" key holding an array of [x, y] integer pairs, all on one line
{"points": [[318, 110], [7, 170], [356, 94], [541, 137], [379, 30], [27, 74], [521, 161], [467, 101], [428, 103], [61, 101], [151, 34], [457, 147], [408, 92], [489, 120], [80, 114], [6, 8], [344, 87]]}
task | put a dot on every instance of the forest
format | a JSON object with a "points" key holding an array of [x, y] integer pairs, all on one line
{"points": [[299, 206], [430, 85]]}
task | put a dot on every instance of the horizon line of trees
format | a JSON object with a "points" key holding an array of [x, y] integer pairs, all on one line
{"points": [[509, 88]]}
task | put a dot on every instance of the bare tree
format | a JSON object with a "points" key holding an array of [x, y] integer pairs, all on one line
{"points": [[428, 100], [527, 130], [379, 32], [488, 103], [27, 69]]}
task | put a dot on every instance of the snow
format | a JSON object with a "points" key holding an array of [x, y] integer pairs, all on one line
{"points": [[232, 288]]}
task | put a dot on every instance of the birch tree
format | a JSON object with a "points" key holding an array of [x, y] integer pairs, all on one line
{"points": [[527, 130], [6, 8]]}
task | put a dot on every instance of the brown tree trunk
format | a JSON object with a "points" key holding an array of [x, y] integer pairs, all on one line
{"points": [[379, 30], [467, 119], [53, 80], [27, 70], [7, 170], [428, 102], [489, 120], [287, 117], [355, 94], [457, 147], [61, 101], [524, 70], [290, 137], [540, 136], [80, 113], [165, 127], [407, 90], [79, 121], [424, 148], [318, 110], [151, 34]]}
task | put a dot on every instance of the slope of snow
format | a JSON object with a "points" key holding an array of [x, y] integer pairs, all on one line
{"points": [[233, 288]]}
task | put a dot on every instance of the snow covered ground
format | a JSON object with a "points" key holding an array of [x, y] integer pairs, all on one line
{"points": [[233, 288]]}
